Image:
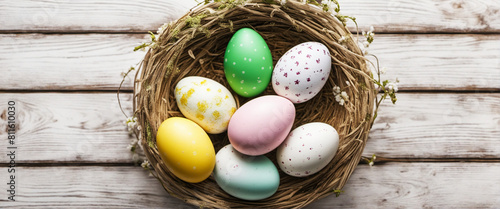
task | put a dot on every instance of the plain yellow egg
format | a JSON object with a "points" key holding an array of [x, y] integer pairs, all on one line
{"points": [[186, 149]]}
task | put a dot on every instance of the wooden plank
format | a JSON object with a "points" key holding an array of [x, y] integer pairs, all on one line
{"points": [[419, 185], [426, 16], [392, 185], [68, 127], [89, 16], [78, 127], [437, 126], [85, 187], [67, 62], [95, 61], [440, 62]]}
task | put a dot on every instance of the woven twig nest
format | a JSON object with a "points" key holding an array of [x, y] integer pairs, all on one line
{"points": [[195, 45]]}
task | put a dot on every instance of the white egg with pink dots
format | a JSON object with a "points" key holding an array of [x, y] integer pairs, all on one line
{"points": [[308, 149], [302, 71]]}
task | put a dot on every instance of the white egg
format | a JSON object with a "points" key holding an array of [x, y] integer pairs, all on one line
{"points": [[206, 102], [302, 71], [308, 149]]}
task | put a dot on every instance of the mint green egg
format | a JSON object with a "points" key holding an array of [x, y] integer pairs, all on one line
{"points": [[245, 177], [248, 63]]}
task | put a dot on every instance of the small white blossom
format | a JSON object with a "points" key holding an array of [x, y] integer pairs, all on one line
{"points": [[145, 164], [131, 123], [347, 82], [341, 103], [344, 95], [340, 96], [392, 87], [330, 4], [336, 90], [283, 2], [371, 163]]}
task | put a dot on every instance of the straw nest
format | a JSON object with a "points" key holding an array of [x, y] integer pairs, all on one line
{"points": [[195, 45]]}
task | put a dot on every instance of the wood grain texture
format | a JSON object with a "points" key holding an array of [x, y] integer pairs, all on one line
{"points": [[427, 16], [440, 62], [68, 127], [87, 187], [95, 61], [67, 62], [88, 127], [442, 125], [391, 185], [90, 16]]}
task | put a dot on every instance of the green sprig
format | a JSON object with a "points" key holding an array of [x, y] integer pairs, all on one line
{"points": [[338, 192]]}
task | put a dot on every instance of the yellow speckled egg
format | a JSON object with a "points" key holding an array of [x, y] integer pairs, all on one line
{"points": [[186, 149], [206, 102]]}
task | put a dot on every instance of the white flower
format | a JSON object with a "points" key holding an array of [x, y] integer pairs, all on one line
{"points": [[344, 95], [283, 2], [336, 90], [131, 123], [392, 87], [330, 4], [371, 163], [145, 164], [347, 82], [338, 98]]}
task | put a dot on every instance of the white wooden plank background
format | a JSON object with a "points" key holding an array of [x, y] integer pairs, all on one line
{"points": [[95, 61], [391, 185], [437, 148], [393, 16], [70, 127]]}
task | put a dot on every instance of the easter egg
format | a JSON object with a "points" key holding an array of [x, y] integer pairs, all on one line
{"points": [[206, 102], [308, 149], [261, 124], [245, 177], [248, 64], [185, 149], [302, 72]]}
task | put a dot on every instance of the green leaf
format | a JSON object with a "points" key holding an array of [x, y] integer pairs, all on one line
{"points": [[337, 192]]}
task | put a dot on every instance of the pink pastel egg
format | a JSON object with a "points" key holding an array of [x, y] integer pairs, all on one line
{"points": [[261, 125], [302, 71]]}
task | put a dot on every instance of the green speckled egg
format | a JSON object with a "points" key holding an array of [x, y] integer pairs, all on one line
{"points": [[248, 63]]}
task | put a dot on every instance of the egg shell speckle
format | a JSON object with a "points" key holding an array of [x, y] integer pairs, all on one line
{"points": [[248, 63], [245, 177], [302, 71], [308, 149], [206, 102]]}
